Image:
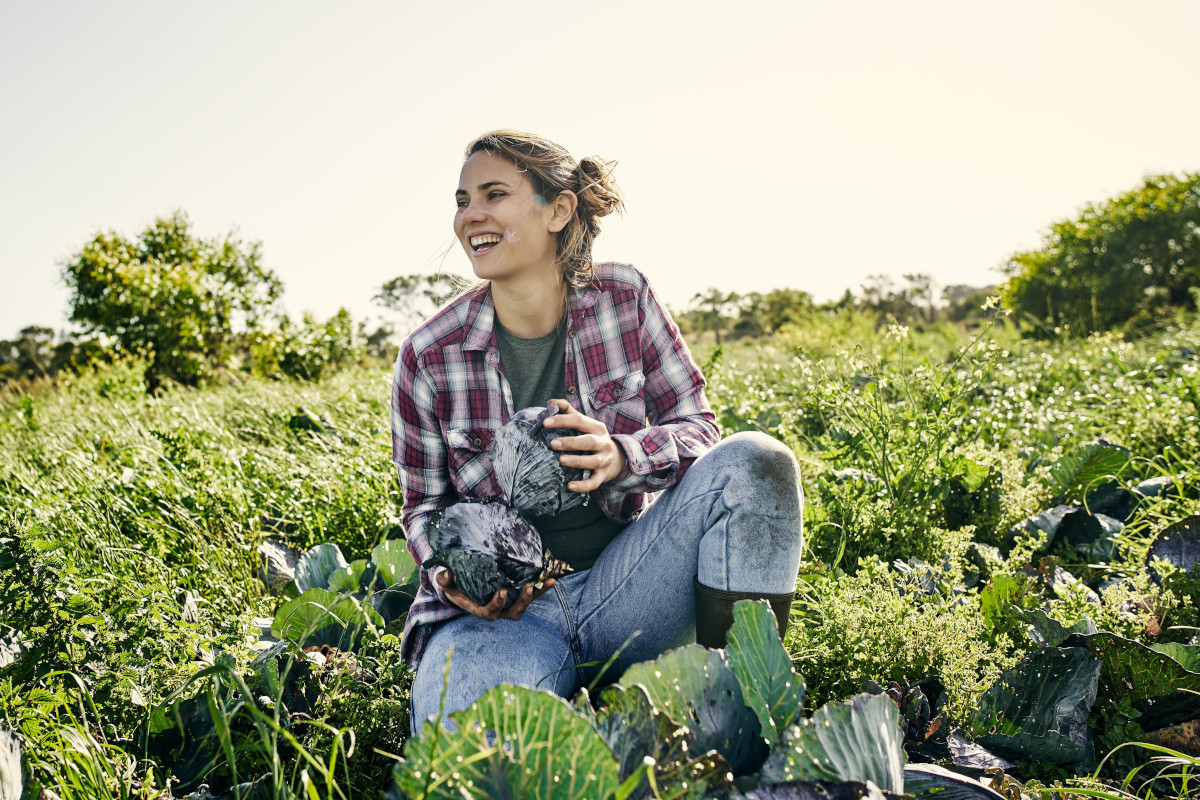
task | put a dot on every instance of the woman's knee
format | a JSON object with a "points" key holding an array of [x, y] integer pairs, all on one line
{"points": [[767, 468]]}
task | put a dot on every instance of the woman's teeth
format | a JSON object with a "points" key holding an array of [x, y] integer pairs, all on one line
{"points": [[485, 239]]}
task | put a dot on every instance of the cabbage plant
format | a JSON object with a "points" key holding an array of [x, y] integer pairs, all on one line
{"points": [[529, 473], [489, 546]]}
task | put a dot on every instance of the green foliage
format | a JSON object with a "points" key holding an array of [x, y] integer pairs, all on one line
{"points": [[321, 617], [178, 298], [770, 687], [870, 626], [858, 740], [696, 687], [505, 746], [414, 298], [1119, 261], [35, 354], [127, 550], [1039, 708], [306, 350], [1084, 468]]}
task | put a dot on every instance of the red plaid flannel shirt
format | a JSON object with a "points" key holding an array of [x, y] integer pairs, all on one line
{"points": [[626, 365]]}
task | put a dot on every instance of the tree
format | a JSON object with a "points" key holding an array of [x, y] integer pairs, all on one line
{"points": [[414, 297], [35, 354], [920, 289], [714, 307], [1126, 258], [181, 300], [760, 313]]}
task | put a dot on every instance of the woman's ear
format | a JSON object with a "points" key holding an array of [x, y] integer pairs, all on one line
{"points": [[562, 209]]}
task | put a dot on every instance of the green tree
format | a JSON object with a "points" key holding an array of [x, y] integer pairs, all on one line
{"points": [[36, 354], [760, 314], [182, 300], [414, 297], [714, 309], [1127, 258]]}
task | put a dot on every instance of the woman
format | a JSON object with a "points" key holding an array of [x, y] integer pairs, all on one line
{"points": [[545, 324]]}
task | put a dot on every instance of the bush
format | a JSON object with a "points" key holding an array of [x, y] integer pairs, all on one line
{"points": [[876, 625], [182, 300], [308, 350]]}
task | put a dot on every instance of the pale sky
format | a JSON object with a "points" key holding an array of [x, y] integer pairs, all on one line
{"points": [[760, 144]]}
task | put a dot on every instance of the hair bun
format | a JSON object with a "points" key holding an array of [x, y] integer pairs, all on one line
{"points": [[598, 193]]}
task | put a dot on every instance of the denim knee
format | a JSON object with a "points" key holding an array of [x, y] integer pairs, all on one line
{"points": [[755, 542], [765, 469]]}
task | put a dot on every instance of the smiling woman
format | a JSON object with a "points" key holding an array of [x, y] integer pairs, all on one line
{"points": [[683, 525]]}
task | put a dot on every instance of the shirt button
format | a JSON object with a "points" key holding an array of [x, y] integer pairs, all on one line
{"points": [[570, 390], [477, 442], [571, 333], [617, 392]]}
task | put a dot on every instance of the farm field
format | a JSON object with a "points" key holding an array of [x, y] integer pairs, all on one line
{"points": [[998, 542]]}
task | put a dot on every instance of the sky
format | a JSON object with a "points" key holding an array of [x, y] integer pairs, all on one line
{"points": [[759, 144]]}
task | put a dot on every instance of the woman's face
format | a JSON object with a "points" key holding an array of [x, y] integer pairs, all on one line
{"points": [[506, 230]]}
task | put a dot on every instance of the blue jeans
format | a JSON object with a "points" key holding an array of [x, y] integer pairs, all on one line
{"points": [[734, 521]]}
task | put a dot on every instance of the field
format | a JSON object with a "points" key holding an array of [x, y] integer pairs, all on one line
{"points": [[997, 531]]}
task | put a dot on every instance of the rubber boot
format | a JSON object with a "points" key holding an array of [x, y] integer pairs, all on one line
{"points": [[714, 612]]}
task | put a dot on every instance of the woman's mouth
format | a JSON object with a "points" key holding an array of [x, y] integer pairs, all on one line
{"points": [[484, 243]]}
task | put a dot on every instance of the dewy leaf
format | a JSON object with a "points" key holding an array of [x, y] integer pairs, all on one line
{"points": [[1073, 475], [856, 740], [1045, 522], [634, 729], [1158, 680], [1179, 544], [696, 687], [394, 561], [513, 742], [1039, 708], [1188, 655], [820, 790], [966, 753], [320, 616], [355, 577], [315, 567], [1046, 631], [929, 781], [770, 686]]}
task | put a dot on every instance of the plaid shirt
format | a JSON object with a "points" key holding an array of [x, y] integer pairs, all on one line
{"points": [[626, 364]]}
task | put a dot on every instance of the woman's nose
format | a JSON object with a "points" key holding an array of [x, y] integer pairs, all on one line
{"points": [[472, 213]]}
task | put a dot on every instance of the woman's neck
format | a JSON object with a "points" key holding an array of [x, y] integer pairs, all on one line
{"points": [[530, 308]]}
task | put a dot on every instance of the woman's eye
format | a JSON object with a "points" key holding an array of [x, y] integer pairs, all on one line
{"points": [[494, 195], [461, 203]]}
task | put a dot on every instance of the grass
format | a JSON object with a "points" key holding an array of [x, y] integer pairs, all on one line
{"points": [[129, 525]]}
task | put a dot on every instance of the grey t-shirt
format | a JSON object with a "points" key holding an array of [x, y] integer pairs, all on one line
{"points": [[535, 369]]}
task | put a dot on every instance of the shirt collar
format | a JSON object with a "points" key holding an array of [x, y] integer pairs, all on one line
{"points": [[480, 320]]}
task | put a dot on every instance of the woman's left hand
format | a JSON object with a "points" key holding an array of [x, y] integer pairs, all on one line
{"points": [[604, 457]]}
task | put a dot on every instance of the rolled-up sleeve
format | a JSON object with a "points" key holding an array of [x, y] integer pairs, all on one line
{"points": [[682, 425], [419, 454]]}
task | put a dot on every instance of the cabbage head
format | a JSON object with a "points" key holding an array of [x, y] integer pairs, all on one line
{"points": [[489, 546], [529, 473]]}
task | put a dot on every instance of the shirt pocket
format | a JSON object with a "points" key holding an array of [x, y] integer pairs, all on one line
{"points": [[620, 404], [470, 465]]}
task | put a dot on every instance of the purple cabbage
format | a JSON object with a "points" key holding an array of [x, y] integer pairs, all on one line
{"points": [[529, 473], [489, 546]]}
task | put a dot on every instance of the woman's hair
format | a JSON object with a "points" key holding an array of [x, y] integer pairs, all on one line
{"points": [[551, 170]]}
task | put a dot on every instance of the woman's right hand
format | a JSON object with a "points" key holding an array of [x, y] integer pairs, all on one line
{"points": [[495, 609]]}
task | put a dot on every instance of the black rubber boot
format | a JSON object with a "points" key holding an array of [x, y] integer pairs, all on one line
{"points": [[714, 612]]}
